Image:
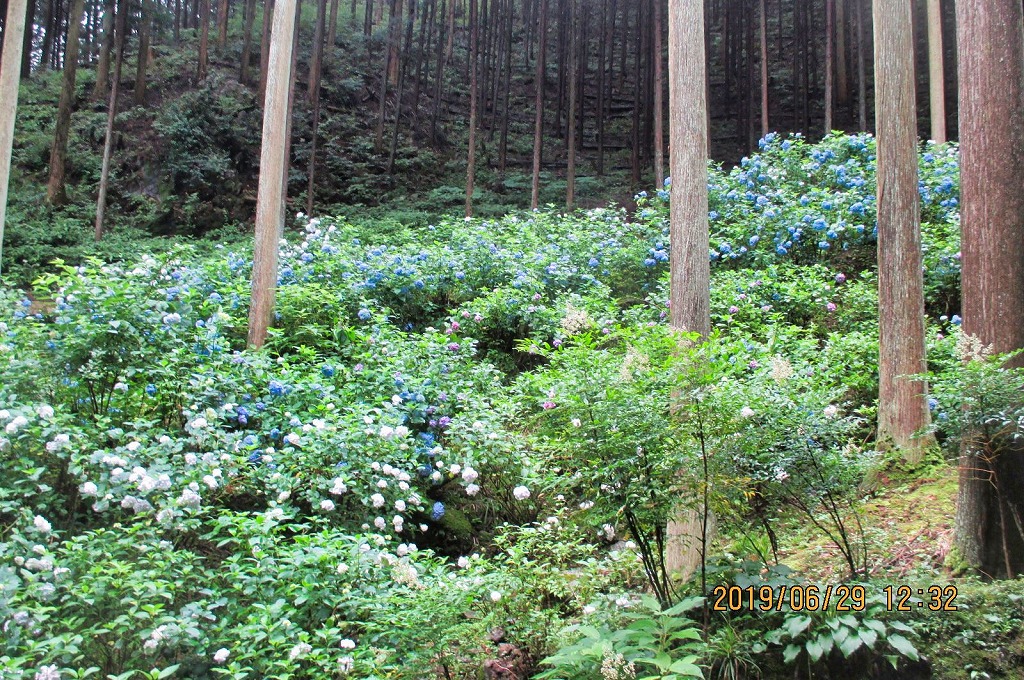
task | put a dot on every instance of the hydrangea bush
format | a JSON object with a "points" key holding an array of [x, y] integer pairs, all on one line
{"points": [[450, 448]]}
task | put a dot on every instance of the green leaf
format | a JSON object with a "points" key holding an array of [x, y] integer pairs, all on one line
{"points": [[814, 649], [903, 646], [850, 645], [791, 652], [686, 667], [797, 625], [869, 637]]}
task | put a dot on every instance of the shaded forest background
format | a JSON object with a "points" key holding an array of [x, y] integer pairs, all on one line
{"points": [[387, 102]]}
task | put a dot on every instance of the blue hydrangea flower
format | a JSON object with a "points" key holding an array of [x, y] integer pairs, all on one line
{"points": [[438, 511], [364, 314]]}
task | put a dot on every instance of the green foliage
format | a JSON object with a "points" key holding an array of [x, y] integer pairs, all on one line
{"points": [[665, 640]]}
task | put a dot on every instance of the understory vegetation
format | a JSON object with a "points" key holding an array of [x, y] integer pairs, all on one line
{"points": [[457, 454]]}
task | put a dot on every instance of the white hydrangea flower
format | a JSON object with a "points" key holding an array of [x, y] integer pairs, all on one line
{"points": [[347, 644], [521, 493], [747, 412], [299, 650], [44, 411], [327, 505], [377, 500], [88, 489], [463, 562], [221, 655], [470, 475], [495, 596], [48, 673], [41, 525], [380, 523], [400, 505]]}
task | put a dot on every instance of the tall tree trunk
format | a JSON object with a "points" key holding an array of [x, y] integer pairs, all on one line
{"points": [[314, 98], [268, 18], [689, 240], [394, 41], [291, 119], [570, 172], [14, 41], [936, 74], [902, 404], [473, 97], [145, 19], [862, 77], [99, 90], [763, 28], [830, 29], [332, 27], [222, 24], [842, 65], [55, 193], [368, 18], [603, 48], [659, 140], [317, 54], [49, 39], [634, 156], [204, 39], [990, 44], [26, 48], [270, 195], [120, 28], [177, 21], [250, 18], [538, 103]]}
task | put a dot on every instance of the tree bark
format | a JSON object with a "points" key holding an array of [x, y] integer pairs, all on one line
{"points": [[332, 26], [270, 195], [936, 75], [842, 65], [204, 39], [120, 27], [659, 126], [902, 403], [250, 18], [473, 96], [990, 44], [689, 240], [55, 192], [222, 24], [538, 103], [291, 119], [268, 18], [862, 78], [764, 68], [145, 20], [829, 62], [570, 171], [26, 49], [99, 90], [14, 41]]}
